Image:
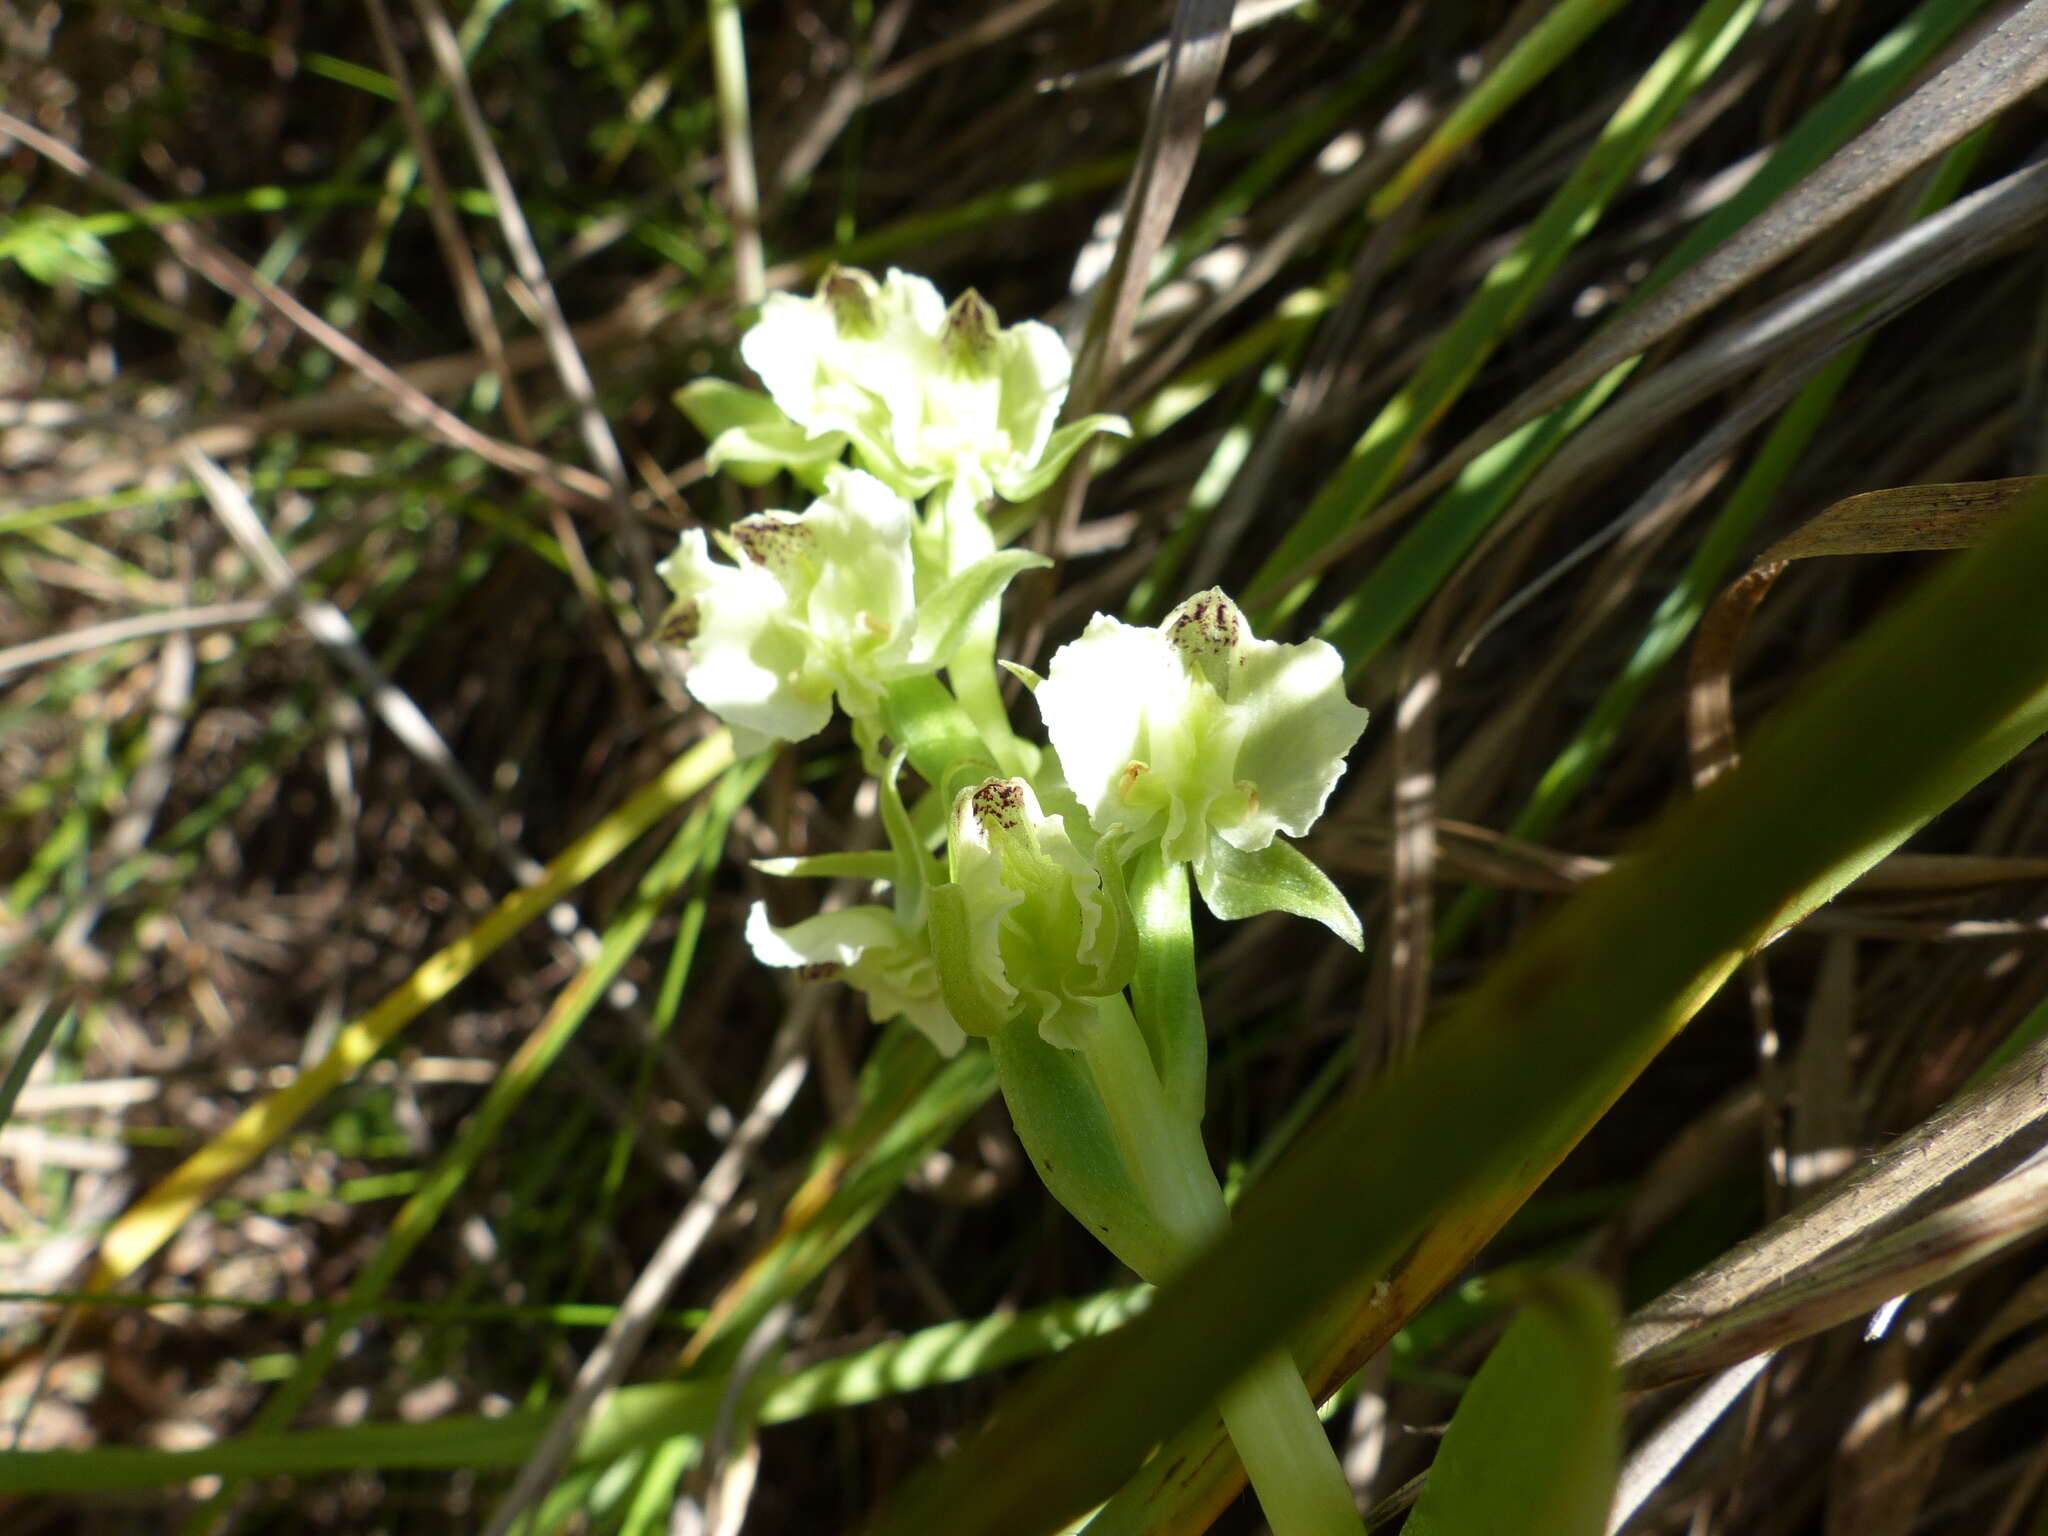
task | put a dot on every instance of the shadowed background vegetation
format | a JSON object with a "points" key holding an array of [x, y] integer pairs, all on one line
{"points": [[386, 1069]]}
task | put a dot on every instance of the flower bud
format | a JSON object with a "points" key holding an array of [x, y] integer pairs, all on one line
{"points": [[1029, 924]]}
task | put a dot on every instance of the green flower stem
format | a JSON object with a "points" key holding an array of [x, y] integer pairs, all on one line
{"points": [[1269, 1413], [963, 537], [1163, 992], [936, 730]]}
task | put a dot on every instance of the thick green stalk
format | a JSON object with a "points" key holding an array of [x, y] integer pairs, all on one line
{"points": [[1268, 1411], [1163, 993]]}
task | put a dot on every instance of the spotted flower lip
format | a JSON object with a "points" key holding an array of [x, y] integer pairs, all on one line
{"points": [[1198, 733], [1029, 923], [927, 394]]}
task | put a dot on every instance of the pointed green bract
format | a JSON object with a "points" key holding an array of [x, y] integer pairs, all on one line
{"points": [[1278, 878]]}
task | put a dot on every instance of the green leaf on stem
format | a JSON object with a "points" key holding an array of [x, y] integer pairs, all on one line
{"points": [[1278, 878], [945, 616], [873, 864], [1059, 448]]}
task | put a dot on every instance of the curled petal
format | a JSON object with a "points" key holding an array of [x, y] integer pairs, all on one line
{"points": [[870, 949]]}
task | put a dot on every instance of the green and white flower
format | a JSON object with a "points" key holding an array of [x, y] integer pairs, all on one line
{"points": [[818, 602], [1029, 922], [927, 394], [871, 949], [1213, 741]]}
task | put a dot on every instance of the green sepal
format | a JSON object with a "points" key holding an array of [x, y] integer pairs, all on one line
{"points": [[944, 618], [977, 1006], [1059, 448], [874, 864], [1067, 1133], [1278, 878], [751, 439], [1164, 996], [1116, 972], [1023, 674]]}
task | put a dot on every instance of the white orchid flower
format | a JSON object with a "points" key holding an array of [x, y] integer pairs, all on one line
{"points": [[871, 949], [828, 601], [1210, 740], [1029, 921], [928, 395], [819, 602]]}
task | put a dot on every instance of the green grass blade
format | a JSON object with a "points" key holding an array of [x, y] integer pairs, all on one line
{"points": [[1681, 608], [1508, 289], [1545, 46], [1397, 588], [1535, 1444]]}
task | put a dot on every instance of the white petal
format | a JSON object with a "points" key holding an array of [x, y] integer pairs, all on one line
{"points": [[1097, 699], [1298, 727], [830, 938]]}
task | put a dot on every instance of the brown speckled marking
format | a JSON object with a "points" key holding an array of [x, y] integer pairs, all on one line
{"points": [[683, 622], [819, 970], [848, 291], [1207, 625], [970, 332], [1001, 802], [771, 542]]}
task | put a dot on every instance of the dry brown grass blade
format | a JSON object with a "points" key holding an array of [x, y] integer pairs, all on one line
{"points": [[1841, 1288], [1896, 521], [1968, 1144], [1468, 853], [1166, 158], [455, 251], [1906, 518]]}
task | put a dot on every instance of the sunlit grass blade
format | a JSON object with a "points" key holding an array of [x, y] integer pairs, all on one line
{"points": [[1546, 45], [1512, 284], [1395, 590], [632, 1420], [148, 1224], [1679, 612]]}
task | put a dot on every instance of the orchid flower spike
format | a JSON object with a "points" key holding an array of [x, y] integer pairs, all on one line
{"points": [[927, 394], [1029, 924], [1206, 738]]}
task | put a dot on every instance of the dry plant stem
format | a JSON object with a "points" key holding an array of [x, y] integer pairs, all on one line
{"points": [[736, 133], [1268, 1411], [553, 324]]}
